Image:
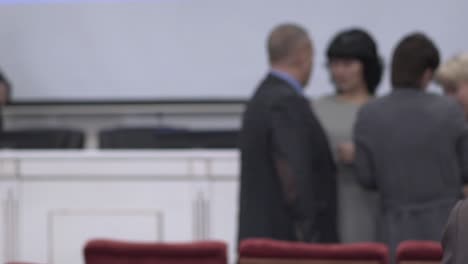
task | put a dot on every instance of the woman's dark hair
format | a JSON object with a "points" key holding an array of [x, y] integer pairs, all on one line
{"points": [[358, 44]]}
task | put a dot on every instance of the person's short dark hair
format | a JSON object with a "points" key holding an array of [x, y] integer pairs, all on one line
{"points": [[413, 55], [6, 85], [358, 44], [284, 40]]}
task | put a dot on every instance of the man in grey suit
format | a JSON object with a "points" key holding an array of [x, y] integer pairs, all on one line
{"points": [[412, 147], [288, 185], [455, 238]]}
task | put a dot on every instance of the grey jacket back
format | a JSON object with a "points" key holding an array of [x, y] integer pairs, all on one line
{"points": [[413, 147]]}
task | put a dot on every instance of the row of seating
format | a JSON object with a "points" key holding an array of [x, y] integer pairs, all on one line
{"points": [[42, 139], [120, 138], [258, 251]]}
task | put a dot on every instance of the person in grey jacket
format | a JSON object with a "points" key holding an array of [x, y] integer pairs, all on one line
{"points": [[455, 237], [412, 147]]}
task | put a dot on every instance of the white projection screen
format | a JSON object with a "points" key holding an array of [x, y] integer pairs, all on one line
{"points": [[191, 50]]}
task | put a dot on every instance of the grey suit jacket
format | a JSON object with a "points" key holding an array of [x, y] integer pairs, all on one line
{"points": [[413, 147], [455, 238]]}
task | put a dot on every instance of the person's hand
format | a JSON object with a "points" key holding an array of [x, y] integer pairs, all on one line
{"points": [[346, 153]]}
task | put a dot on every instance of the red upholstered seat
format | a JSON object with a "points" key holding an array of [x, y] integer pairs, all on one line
{"points": [[259, 251], [419, 252], [117, 252]]}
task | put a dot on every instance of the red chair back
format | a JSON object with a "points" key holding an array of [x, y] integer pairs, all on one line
{"points": [[419, 252], [117, 252], [263, 251]]}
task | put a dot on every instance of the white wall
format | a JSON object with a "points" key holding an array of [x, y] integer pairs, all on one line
{"points": [[166, 196], [187, 49]]}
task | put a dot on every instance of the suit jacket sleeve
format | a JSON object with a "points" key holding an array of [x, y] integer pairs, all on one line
{"points": [[292, 153], [462, 142], [455, 235], [364, 162], [449, 236]]}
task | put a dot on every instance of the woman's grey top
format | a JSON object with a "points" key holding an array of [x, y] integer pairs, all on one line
{"points": [[357, 207]]}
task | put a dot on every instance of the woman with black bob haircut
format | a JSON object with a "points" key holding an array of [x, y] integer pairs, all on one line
{"points": [[355, 71]]}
